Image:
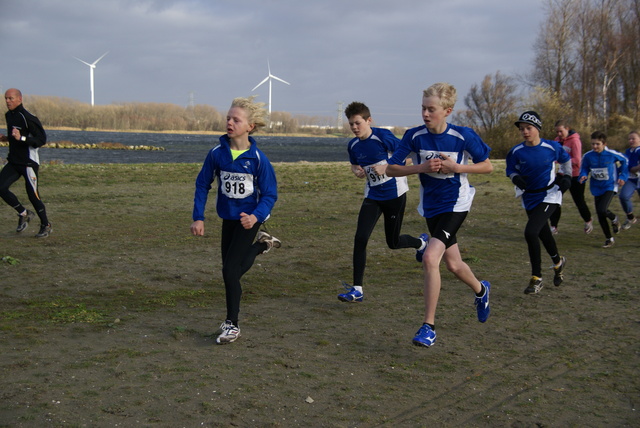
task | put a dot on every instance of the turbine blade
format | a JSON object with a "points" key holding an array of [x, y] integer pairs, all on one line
{"points": [[82, 61], [265, 79], [103, 55], [279, 79]]}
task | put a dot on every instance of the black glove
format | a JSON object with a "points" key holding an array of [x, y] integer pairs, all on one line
{"points": [[519, 181], [563, 182]]}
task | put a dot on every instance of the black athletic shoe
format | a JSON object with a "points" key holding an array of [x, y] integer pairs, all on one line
{"points": [[45, 230], [535, 285], [23, 221], [615, 225], [558, 277]]}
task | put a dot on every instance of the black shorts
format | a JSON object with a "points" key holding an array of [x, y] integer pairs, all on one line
{"points": [[444, 227]]}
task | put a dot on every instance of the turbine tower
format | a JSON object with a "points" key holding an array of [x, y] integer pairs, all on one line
{"points": [[270, 77], [92, 66]]}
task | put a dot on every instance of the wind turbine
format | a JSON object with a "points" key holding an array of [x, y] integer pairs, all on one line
{"points": [[92, 66], [270, 78]]}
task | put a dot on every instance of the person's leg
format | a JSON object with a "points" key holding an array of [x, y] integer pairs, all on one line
{"points": [[236, 243], [626, 194], [31, 186], [537, 222], [393, 211], [367, 218], [577, 194], [602, 210], [9, 175]]}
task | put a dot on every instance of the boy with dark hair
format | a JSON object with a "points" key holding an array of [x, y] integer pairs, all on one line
{"points": [[608, 170], [531, 168], [383, 195]]}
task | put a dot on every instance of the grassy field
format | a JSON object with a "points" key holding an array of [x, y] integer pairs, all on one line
{"points": [[111, 320]]}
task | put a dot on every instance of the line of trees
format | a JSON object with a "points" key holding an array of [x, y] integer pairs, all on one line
{"points": [[156, 117], [586, 71]]}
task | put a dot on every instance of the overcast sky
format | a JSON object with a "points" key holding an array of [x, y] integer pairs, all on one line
{"points": [[383, 53]]}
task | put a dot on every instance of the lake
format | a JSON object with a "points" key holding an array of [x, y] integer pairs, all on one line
{"points": [[184, 148]]}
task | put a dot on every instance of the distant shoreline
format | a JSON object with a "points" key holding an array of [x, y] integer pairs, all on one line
{"points": [[137, 131]]}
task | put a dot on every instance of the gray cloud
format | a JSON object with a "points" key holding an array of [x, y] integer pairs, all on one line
{"points": [[382, 53]]}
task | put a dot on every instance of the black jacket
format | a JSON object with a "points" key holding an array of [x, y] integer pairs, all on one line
{"points": [[24, 152]]}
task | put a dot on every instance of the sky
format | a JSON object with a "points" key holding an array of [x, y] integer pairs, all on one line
{"points": [[380, 52]]}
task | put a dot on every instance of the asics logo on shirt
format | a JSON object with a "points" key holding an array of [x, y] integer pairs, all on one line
{"points": [[234, 177]]}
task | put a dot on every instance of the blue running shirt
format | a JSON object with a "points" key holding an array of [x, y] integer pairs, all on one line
{"points": [[372, 151], [442, 193]]}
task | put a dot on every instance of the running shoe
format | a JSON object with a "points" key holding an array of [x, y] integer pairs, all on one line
{"points": [[425, 336], [352, 295], [482, 303], [609, 243], [628, 222], [535, 285], [558, 277], [229, 333], [271, 241], [615, 225], [425, 242], [588, 227], [23, 220], [45, 230]]}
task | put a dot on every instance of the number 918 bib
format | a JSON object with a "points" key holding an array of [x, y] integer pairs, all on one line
{"points": [[236, 185]]}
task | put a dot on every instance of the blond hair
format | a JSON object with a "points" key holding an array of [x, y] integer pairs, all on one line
{"points": [[445, 91], [256, 113]]}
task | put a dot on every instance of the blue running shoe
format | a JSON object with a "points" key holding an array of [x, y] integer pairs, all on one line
{"points": [[419, 253], [482, 303], [352, 295], [425, 336]]}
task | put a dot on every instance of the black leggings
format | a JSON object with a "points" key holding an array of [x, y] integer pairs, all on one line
{"points": [[536, 230], [577, 194], [238, 254], [370, 212], [602, 209], [12, 173]]}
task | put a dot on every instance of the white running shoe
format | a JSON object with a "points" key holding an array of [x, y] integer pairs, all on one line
{"points": [[229, 333], [271, 241], [628, 222], [588, 227]]}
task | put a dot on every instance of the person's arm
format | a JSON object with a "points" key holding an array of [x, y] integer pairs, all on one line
{"points": [[432, 165], [357, 171], [450, 166]]}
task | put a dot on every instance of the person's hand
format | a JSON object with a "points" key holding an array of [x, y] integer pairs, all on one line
{"points": [[248, 220], [519, 182], [448, 165], [563, 182], [15, 133], [197, 228], [582, 179], [357, 171], [380, 170], [431, 166]]}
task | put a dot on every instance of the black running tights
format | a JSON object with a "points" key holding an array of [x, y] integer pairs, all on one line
{"points": [[536, 230], [238, 254], [370, 212]]}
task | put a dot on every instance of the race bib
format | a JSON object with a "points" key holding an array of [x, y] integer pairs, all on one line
{"points": [[600, 173], [373, 178], [236, 185], [426, 155]]}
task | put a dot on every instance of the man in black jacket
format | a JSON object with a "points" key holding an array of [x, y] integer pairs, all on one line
{"points": [[25, 136]]}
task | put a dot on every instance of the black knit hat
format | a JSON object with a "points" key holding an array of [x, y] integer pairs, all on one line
{"points": [[530, 117]]}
